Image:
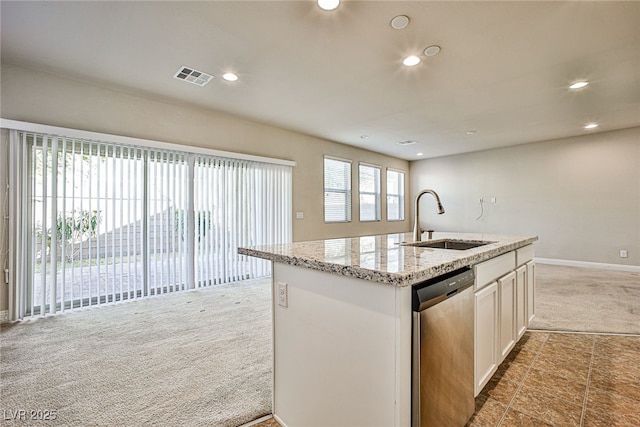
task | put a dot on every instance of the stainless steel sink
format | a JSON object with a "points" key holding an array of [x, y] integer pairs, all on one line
{"points": [[458, 245]]}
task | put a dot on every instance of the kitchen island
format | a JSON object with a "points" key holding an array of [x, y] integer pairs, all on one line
{"points": [[342, 321]]}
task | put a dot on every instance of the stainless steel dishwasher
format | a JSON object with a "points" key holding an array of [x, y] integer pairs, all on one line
{"points": [[442, 368]]}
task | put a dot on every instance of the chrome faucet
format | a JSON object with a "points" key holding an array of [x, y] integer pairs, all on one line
{"points": [[417, 231]]}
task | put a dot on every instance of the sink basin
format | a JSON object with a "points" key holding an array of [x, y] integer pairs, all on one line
{"points": [[458, 245]]}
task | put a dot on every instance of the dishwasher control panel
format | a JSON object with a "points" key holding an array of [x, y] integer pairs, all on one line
{"points": [[439, 288]]}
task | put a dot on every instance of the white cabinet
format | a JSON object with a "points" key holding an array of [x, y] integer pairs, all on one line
{"points": [[507, 314], [485, 335], [531, 291], [504, 306], [521, 301]]}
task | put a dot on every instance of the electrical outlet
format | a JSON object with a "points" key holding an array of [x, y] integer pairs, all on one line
{"points": [[493, 200], [283, 295], [623, 253]]}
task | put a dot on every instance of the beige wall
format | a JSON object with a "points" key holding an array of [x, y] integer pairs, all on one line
{"points": [[47, 99], [580, 195], [37, 97]]}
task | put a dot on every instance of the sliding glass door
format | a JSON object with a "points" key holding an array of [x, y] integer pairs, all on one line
{"points": [[109, 222]]}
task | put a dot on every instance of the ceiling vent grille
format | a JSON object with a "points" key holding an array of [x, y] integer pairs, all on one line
{"points": [[407, 142], [193, 76]]}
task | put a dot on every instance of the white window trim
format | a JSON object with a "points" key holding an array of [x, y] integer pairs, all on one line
{"points": [[339, 159], [400, 196], [397, 170], [377, 195]]}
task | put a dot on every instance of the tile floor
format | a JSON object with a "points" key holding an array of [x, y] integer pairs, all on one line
{"points": [[562, 379]]}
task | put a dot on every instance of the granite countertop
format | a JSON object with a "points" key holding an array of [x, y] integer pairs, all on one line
{"points": [[382, 258]]}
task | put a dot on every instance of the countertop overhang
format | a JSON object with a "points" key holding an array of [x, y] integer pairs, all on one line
{"points": [[384, 259]]}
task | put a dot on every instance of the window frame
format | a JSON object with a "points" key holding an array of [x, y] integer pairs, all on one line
{"points": [[377, 193], [346, 192], [400, 195]]}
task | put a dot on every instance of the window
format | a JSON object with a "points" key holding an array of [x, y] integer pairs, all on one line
{"points": [[337, 190], [395, 195], [369, 186]]}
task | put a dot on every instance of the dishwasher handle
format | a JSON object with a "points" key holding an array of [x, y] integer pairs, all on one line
{"points": [[433, 291]]}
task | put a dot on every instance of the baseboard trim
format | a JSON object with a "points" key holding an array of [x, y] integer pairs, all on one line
{"points": [[277, 418], [615, 334], [587, 264], [258, 421]]}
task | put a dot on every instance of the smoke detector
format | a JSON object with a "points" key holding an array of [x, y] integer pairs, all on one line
{"points": [[195, 77]]}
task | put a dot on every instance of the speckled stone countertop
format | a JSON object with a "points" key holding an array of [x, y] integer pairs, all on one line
{"points": [[383, 258]]}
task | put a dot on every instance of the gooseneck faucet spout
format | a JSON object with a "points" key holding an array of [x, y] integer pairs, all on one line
{"points": [[417, 231]]}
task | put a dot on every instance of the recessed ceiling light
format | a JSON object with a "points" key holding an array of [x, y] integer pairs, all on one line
{"points": [[419, 154], [364, 136], [328, 4], [591, 126], [579, 85], [410, 61], [400, 22], [471, 132], [407, 142], [230, 77], [432, 50]]}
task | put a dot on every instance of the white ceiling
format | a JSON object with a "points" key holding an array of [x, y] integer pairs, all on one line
{"points": [[503, 70]]}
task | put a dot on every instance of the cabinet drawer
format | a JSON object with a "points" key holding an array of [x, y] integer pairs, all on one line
{"points": [[524, 255], [488, 271]]}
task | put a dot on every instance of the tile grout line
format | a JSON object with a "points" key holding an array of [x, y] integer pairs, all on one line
{"points": [[586, 391], [521, 382], [613, 334]]}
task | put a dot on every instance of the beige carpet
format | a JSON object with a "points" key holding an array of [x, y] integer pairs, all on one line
{"points": [[200, 358], [586, 300]]}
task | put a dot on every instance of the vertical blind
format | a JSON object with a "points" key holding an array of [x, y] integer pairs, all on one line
{"points": [[237, 203], [105, 222]]}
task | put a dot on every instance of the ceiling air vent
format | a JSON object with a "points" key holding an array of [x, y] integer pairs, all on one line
{"points": [[407, 142], [193, 76]]}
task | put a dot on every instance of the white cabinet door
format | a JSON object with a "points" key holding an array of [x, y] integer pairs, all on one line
{"points": [[521, 301], [531, 291], [486, 335], [507, 319]]}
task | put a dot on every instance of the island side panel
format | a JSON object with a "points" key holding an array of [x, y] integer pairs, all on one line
{"points": [[404, 340], [337, 359]]}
